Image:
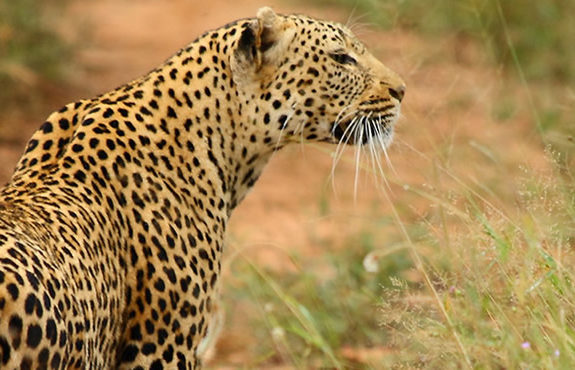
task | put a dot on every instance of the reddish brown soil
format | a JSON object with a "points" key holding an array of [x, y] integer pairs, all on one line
{"points": [[449, 105]]}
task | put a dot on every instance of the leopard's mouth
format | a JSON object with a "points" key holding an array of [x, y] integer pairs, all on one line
{"points": [[365, 128]]}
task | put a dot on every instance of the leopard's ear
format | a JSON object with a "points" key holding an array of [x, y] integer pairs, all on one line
{"points": [[260, 41], [270, 28]]}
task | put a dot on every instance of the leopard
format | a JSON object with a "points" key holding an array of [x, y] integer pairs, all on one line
{"points": [[112, 224]]}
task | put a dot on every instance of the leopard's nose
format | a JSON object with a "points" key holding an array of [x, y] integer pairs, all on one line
{"points": [[397, 92]]}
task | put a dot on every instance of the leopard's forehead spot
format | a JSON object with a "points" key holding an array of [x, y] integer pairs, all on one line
{"points": [[336, 32]]}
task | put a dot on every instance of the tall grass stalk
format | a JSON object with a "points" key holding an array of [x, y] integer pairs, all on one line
{"points": [[519, 68]]}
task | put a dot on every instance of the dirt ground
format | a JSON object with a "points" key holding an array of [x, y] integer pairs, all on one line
{"points": [[450, 103]]}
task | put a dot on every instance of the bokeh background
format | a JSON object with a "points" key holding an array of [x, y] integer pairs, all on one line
{"points": [[462, 256]]}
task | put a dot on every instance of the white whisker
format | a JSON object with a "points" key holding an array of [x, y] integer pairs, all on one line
{"points": [[382, 144], [341, 117], [380, 133], [369, 133], [347, 134], [343, 140], [382, 136], [376, 133], [375, 162], [284, 126], [368, 147], [358, 149]]}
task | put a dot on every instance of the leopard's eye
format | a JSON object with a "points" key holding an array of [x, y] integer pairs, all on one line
{"points": [[343, 58]]}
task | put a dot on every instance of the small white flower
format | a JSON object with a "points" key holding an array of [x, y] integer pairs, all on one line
{"points": [[278, 333], [371, 263], [525, 345]]}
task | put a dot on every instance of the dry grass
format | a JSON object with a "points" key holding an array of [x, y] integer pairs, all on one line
{"points": [[469, 285], [503, 278]]}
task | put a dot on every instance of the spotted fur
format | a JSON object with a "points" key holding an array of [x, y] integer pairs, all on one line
{"points": [[111, 228]]}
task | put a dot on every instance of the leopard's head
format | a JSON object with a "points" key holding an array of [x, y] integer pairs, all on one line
{"points": [[312, 80]]}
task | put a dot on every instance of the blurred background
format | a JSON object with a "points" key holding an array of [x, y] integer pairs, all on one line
{"points": [[462, 256]]}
